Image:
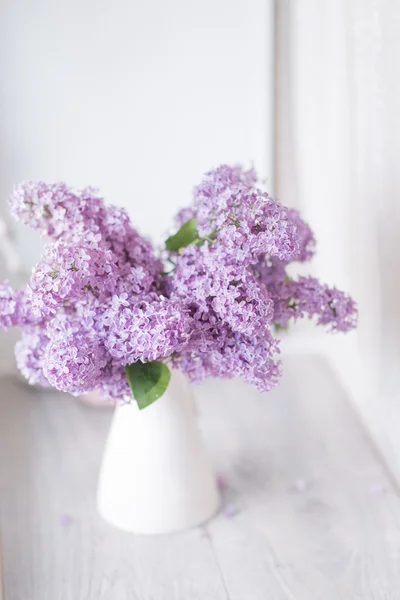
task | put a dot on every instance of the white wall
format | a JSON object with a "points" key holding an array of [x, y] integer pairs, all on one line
{"points": [[137, 98], [338, 160]]}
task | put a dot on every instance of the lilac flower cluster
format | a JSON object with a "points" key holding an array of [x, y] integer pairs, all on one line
{"points": [[245, 221], [308, 297], [235, 284], [8, 306], [94, 302], [99, 299]]}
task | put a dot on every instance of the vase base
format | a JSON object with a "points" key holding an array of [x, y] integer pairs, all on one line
{"points": [[154, 527]]}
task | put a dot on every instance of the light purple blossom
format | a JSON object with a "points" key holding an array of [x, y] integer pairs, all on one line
{"points": [[15, 307], [307, 297], [74, 364], [306, 237], [99, 299], [29, 354], [58, 211], [95, 255], [244, 219], [113, 383], [8, 306], [53, 209], [221, 353], [146, 328], [206, 282], [68, 272], [235, 284]]}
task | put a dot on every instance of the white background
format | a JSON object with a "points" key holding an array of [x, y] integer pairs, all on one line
{"points": [[135, 98]]}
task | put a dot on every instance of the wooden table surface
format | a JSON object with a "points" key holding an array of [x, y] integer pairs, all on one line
{"points": [[309, 511]]}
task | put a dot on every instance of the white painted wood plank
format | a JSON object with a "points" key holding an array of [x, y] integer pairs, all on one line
{"points": [[318, 517], [55, 547]]}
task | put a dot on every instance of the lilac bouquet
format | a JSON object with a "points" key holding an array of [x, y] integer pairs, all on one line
{"points": [[102, 310]]}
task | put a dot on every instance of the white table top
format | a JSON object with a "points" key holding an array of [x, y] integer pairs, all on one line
{"points": [[310, 511]]}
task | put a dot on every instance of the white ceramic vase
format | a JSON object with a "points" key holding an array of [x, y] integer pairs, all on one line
{"points": [[156, 476]]}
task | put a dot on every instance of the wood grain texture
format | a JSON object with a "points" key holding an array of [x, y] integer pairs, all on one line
{"points": [[309, 511], [319, 517], [55, 546]]}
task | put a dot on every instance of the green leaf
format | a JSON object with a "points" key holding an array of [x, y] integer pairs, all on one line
{"points": [[148, 381], [279, 327], [185, 236]]}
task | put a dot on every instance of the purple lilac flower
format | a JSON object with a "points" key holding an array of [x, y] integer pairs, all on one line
{"points": [[74, 364], [8, 306], [235, 284], [113, 383], [205, 282], [95, 255], [244, 219], [232, 315], [308, 297], [29, 353], [306, 237], [68, 272], [270, 269], [74, 357], [53, 209], [15, 307], [59, 211], [128, 247], [146, 328], [98, 300], [222, 353]]}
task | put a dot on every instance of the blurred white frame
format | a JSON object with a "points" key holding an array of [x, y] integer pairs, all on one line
{"points": [[337, 152]]}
